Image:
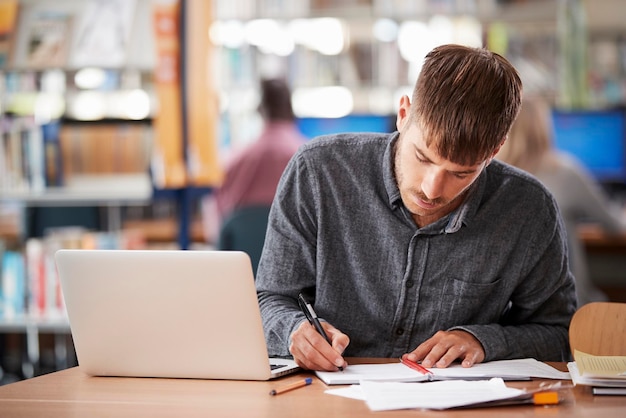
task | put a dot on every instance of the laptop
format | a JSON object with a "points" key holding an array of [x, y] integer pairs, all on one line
{"points": [[166, 313]]}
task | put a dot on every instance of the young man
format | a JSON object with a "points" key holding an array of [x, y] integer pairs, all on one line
{"points": [[417, 243]]}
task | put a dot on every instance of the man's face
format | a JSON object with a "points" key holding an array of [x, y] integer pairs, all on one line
{"points": [[430, 186]]}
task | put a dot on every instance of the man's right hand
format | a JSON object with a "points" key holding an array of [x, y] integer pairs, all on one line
{"points": [[311, 351]]}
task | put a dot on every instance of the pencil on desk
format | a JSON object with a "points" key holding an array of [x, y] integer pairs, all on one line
{"points": [[294, 385]]}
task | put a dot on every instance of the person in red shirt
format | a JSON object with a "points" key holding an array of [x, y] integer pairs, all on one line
{"points": [[252, 174]]}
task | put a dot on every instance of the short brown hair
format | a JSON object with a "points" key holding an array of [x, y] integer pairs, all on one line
{"points": [[276, 100], [465, 100]]}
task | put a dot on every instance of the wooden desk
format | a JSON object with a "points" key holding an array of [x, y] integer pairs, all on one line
{"points": [[72, 393]]}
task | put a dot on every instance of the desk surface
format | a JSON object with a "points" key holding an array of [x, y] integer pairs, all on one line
{"points": [[72, 393]]}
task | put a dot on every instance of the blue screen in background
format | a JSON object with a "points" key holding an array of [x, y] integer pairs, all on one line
{"points": [[312, 127], [596, 138]]}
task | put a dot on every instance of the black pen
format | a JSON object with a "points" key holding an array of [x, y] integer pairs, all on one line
{"points": [[313, 319]]}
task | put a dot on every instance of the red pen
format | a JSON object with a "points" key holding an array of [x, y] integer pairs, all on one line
{"points": [[415, 366]]}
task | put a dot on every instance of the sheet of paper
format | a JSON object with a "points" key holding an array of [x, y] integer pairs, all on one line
{"points": [[506, 369], [600, 366], [352, 392], [383, 396], [397, 372]]}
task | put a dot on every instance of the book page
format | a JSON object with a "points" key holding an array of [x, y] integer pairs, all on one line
{"points": [[517, 369], [600, 366]]}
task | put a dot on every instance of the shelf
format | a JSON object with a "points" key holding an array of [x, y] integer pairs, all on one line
{"points": [[57, 324], [165, 230], [104, 190]]}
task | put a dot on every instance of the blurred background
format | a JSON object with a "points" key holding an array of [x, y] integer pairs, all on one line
{"points": [[117, 115]]}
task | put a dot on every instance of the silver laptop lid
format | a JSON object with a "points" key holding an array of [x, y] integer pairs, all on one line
{"points": [[183, 314]]}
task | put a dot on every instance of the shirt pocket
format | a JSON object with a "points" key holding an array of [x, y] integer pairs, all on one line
{"points": [[465, 302]]}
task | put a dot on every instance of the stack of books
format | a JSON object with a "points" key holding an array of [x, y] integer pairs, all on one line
{"points": [[605, 374]]}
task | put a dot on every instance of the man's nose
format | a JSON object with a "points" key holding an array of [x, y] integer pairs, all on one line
{"points": [[432, 184]]}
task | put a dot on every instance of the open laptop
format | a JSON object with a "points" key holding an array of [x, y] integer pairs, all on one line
{"points": [[166, 313]]}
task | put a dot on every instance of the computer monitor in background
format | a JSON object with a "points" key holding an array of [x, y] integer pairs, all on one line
{"points": [[312, 127], [596, 138]]}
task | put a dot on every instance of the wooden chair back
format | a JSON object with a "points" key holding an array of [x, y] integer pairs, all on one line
{"points": [[599, 328]]}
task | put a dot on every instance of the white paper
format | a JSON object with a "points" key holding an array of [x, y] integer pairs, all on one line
{"points": [[506, 369], [384, 396], [352, 392]]}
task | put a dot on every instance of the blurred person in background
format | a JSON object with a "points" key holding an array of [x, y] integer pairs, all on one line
{"points": [[252, 174], [580, 198]]}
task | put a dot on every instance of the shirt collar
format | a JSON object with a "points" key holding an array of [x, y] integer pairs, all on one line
{"points": [[389, 177]]}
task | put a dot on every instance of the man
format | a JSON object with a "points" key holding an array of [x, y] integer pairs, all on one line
{"points": [[417, 243], [252, 174]]}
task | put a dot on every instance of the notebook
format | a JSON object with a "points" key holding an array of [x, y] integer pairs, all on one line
{"points": [[166, 313]]}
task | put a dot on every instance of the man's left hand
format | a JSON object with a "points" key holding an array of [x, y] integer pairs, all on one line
{"points": [[447, 346]]}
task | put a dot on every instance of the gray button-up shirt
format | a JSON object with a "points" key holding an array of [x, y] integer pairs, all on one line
{"points": [[338, 230]]}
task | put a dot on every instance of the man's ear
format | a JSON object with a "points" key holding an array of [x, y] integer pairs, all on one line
{"points": [[498, 148], [403, 112], [495, 152]]}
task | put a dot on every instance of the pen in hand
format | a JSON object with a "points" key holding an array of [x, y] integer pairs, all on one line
{"points": [[292, 386], [313, 319]]}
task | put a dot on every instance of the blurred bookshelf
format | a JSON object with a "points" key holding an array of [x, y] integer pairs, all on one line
{"points": [[85, 134], [77, 107], [90, 94]]}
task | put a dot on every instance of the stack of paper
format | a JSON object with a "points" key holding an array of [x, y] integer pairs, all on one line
{"points": [[397, 386], [384, 396], [607, 374]]}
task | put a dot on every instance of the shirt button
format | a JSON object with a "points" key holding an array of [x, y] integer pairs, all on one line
{"points": [[410, 284], [400, 331]]}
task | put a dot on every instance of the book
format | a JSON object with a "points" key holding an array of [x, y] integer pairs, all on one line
{"points": [[52, 156], [8, 15], [519, 369], [598, 371], [103, 33], [48, 39], [12, 289], [600, 390]]}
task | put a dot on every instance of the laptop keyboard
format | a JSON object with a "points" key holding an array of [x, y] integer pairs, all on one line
{"points": [[276, 366]]}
